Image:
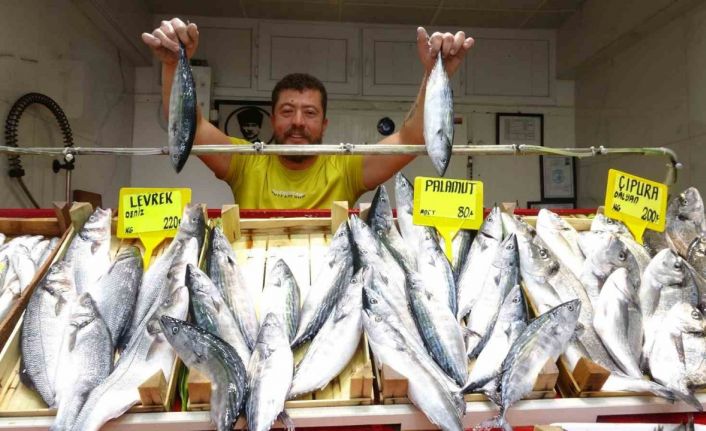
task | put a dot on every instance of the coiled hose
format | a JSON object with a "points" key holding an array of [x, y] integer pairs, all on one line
{"points": [[11, 128]]}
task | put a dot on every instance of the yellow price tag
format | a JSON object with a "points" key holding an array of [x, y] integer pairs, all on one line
{"points": [[637, 202], [151, 214], [449, 205]]}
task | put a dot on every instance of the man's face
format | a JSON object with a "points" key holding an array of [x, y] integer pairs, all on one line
{"points": [[298, 118], [250, 130]]}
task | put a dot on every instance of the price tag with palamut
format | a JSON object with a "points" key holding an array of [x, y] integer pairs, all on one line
{"points": [[639, 203], [448, 205], [150, 214]]}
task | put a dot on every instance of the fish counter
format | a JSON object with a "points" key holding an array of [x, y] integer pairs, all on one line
{"points": [[360, 319]]}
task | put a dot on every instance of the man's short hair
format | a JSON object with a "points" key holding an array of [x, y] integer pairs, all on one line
{"points": [[299, 82]]}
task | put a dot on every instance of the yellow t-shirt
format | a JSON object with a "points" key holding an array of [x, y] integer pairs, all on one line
{"points": [[263, 182]]}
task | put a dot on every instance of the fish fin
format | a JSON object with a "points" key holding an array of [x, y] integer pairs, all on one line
{"points": [[286, 421], [216, 304], [679, 344], [72, 338], [473, 386], [59, 305]]}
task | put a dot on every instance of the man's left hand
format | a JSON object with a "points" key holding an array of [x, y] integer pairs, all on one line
{"points": [[452, 47]]}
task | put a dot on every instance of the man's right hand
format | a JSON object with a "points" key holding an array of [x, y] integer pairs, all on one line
{"points": [[164, 40]]}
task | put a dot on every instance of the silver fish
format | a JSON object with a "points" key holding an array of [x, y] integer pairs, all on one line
{"points": [[618, 321], [438, 327], [512, 320], [217, 360], [281, 297], [562, 239], [227, 275], [435, 269], [685, 220], [601, 223], [38, 251], [383, 226], [116, 292], [269, 376], [404, 197], [211, 312], [86, 360], [337, 340], [544, 339], [501, 277], [440, 406], [192, 225], [610, 253], [461, 247], [543, 274], [182, 112], [439, 117], [476, 266], [89, 251], [43, 327], [327, 288], [667, 359], [148, 353]]}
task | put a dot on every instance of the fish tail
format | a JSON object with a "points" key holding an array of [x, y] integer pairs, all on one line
{"points": [[690, 399], [498, 421]]}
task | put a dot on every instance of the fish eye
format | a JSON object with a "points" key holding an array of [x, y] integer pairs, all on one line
{"points": [[175, 330], [490, 218], [696, 315], [515, 300], [683, 200], [677, 264], [373, 301], [378, 319], [543, 253], [622, 256], [611, 221], [571, 307]]}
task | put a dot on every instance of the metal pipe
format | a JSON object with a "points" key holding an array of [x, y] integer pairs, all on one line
{"points": [[258, 148]]}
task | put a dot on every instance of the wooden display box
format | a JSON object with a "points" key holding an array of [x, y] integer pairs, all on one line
{"points": [[301, 242], [16, 226], [157, 394]]}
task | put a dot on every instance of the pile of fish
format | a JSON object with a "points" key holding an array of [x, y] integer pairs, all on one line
{"points": [[250, 361], [428, 318], [89, 307], [20, 259]]}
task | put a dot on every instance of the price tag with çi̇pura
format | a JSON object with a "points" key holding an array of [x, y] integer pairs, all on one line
{"points": [[639, 203], [448, 205], [150, 214]]}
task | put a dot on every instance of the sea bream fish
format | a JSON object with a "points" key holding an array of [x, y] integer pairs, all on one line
{"points": [[182, 112], [439, 117]]}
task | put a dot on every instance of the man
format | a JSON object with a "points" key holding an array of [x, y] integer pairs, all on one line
{"points": [[250, 122], [299, 117]]}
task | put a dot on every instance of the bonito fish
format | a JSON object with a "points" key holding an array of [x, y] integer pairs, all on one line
{"points": [[439, 117], [182, 112]]}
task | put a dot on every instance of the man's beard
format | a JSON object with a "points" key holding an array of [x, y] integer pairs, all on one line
{"points": [[298, 159]]}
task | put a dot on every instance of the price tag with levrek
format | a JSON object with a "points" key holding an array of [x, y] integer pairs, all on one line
{"points": [[639, 203], [150, 214], [448, 205]]}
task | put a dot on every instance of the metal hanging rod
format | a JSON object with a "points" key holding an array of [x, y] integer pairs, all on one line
{"points": [[360, 149]]}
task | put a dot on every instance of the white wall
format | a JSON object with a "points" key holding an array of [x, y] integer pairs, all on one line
{"points": [[652, 93], [49, 46], [352, 119]]}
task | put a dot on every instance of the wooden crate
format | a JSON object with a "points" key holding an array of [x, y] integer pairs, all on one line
{"points": [[302, 243], [13, 227], [157, 394]]}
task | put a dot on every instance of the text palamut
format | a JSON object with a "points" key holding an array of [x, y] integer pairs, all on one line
{"points": [[631, 190], [449, 186]]}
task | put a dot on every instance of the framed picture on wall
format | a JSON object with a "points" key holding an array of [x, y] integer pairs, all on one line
{"points": [[519, 129], [550, 205], [557, 178], [249, 120]]}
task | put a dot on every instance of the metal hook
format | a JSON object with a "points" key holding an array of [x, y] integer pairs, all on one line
{"points": [[258, 146]]}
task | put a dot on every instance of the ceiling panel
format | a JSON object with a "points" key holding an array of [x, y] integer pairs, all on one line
{"points": [[467, 13], [310, 10], [482, 19], [386, 14], [547, 20]]}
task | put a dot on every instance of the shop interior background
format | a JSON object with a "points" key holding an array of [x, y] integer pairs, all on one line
{"points": [[618, 74]]}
